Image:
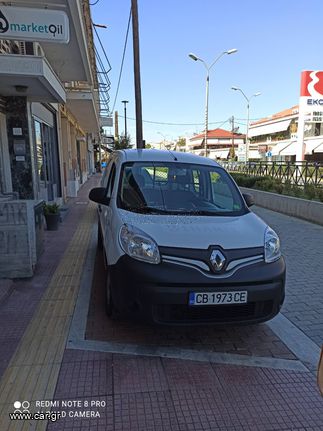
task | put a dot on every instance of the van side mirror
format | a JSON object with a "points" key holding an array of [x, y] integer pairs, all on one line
{"points": [[98, 195], [249, 199]]}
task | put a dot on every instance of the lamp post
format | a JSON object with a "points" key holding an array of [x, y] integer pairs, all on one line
{"points": [[125, 116], [248, 107], [208, 68]]}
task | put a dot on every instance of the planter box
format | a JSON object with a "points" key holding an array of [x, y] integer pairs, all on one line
{"points": [[307, 210]]}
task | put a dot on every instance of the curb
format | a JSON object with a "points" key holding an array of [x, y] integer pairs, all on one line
{"points": [[311, 211]]}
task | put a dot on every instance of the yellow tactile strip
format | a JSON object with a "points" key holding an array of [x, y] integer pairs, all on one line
{"points": [[33, 370]]}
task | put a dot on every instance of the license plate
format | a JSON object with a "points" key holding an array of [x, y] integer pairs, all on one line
{"points": [[218, 298]]}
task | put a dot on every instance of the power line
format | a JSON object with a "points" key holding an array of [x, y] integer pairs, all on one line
{"points": [[176, 124], [93, 4], [123, 56]]}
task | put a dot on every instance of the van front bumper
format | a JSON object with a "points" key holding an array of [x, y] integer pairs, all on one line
{"points": [[160, 293]]}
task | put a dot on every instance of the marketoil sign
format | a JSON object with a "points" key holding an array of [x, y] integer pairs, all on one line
{"points": [[312, 87], [41, 25]]}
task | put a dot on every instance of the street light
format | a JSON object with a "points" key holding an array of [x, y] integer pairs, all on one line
{"points": [[248, 106], [208, 68], [125, 117]]}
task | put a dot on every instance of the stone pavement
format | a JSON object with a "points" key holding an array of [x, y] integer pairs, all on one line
{"points": [[100, 390], [302, 245]]}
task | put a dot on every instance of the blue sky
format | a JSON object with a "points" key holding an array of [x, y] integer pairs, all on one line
{"points": [[275, 39]]}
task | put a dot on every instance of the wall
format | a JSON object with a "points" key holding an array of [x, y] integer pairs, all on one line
{"points": [[16, 257], [307, 210]]}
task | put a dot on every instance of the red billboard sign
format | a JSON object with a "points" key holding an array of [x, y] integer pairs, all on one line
{"points": [[312, 83]]}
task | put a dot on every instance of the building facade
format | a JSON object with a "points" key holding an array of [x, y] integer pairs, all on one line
{"points": [[275, 137], [221, 144], [49, 126]]}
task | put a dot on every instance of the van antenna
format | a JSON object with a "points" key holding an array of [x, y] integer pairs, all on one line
{"points": [[173, 155]]}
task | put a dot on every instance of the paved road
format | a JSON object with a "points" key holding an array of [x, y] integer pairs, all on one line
{"points": [[302, 245]]}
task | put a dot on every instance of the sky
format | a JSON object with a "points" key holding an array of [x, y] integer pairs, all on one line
{"points": [[275, 40]]}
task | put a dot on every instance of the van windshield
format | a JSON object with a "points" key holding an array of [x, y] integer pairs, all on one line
{"points": [[178, 188]]}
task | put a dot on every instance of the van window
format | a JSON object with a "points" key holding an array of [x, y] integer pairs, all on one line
{"points": [[178, 188], [106, 174]]}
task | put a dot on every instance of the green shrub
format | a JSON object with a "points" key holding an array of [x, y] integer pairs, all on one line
{"points": [[310, 191], [320, 193], [275, 185], [51, 208], [296, 191]]}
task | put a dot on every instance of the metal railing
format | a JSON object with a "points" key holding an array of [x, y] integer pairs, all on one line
{"points": [[298, 173]]}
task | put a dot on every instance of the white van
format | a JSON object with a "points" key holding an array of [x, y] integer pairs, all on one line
{"points": [[181, 245]]}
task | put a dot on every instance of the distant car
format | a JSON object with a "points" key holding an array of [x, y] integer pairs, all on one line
{"points": [[181, 245]]}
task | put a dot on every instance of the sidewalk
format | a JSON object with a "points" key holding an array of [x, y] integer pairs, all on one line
{"points": [[107, 391]]}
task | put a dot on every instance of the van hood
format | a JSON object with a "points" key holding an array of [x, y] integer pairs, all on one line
{"points": [[200, 231]]}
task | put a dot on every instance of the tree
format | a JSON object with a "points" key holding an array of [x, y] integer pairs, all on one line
{"points": [[232, 153], [123, 142], [181, 142]]}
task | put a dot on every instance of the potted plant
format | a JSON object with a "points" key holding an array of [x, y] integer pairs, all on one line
{"points": [[52, 215]]}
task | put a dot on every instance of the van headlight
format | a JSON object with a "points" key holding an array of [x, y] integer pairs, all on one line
{"points": [[272, 246], [138, 245]]}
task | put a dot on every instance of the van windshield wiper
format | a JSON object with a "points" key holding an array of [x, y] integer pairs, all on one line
{"points": [[147, 210], [200, 213]]}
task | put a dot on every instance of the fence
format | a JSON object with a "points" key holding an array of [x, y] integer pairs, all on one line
{"points": [[299, 173]]}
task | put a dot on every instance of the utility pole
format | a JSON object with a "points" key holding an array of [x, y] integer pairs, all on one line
{"points": [[136, 62], [116, 126], [232, 131]]}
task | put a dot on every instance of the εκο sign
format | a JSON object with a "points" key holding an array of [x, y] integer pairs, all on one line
{"points": [[43, 25]]}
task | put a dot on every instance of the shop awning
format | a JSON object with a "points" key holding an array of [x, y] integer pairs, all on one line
{"points": [[290, 150], [196, 142], [220, 154], [313, 145], [278, 148], [268, 129], [319, 149]]}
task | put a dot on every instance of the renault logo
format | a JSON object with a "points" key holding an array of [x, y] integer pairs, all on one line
{"points": [[217, 260]]}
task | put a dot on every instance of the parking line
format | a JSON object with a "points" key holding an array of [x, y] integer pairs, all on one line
{"points": [[299, 343]]}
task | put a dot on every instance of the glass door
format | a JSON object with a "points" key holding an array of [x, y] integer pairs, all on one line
{"points": [[47, 161]]}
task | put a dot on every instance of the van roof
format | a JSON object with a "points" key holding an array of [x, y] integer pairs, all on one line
{"points": [[149, 155]]}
